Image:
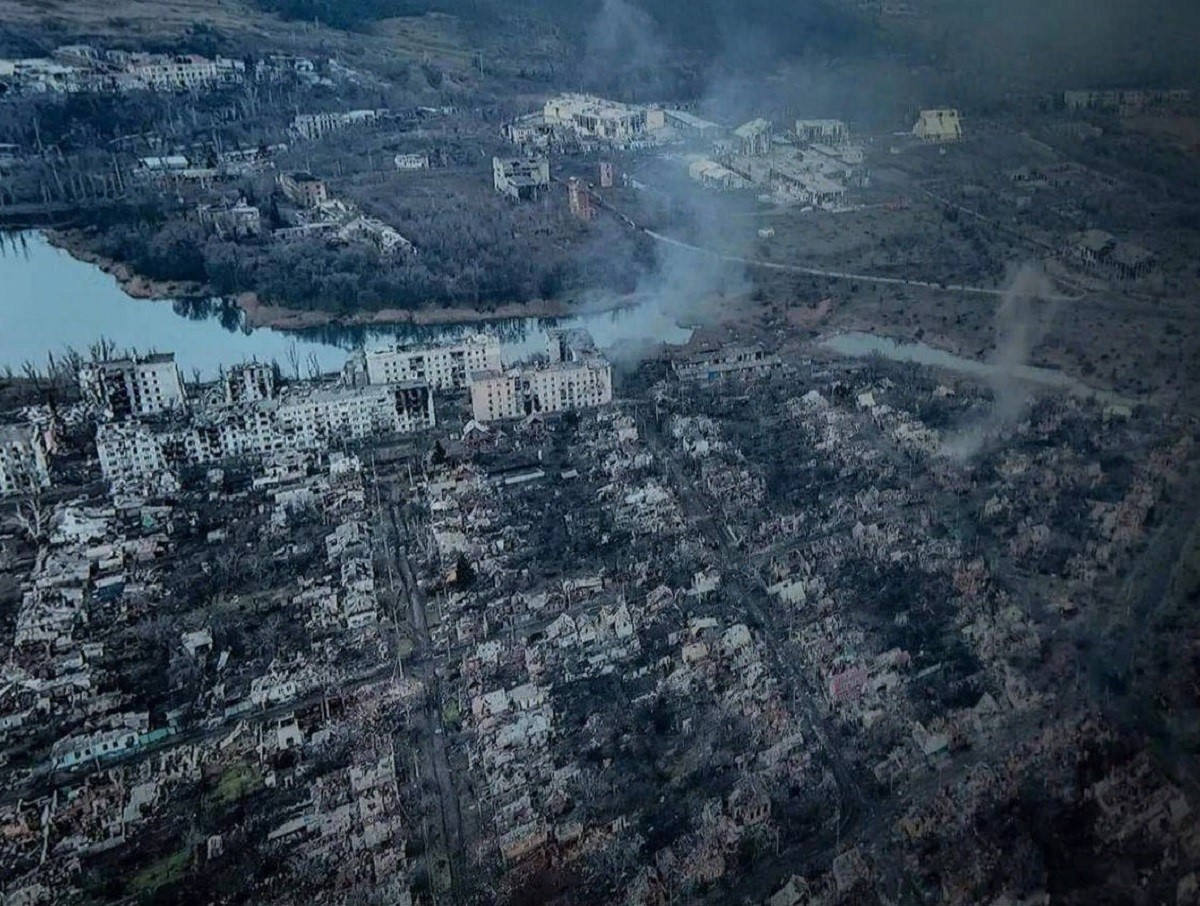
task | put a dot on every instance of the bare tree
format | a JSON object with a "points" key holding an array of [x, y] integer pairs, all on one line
{"points": [[34, 514]]}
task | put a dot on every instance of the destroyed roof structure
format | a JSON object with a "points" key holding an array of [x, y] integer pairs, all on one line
{"points": [[942, 125]]}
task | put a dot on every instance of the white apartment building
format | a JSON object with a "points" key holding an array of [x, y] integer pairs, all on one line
{"points": [[593, 117], [561, 387], [304, 419], [129, 449], [249, 383], [24, 463], [133, 388], [314, 125], [179, 72], [444, 368]]}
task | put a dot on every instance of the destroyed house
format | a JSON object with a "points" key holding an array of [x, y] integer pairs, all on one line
{"points": [[521, 179], [303, 189]]}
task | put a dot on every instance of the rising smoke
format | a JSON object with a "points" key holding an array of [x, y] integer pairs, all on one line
{"points": [[1022, 322]]}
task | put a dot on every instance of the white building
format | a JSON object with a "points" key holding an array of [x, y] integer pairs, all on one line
{"points": [[183, 72], [561, 387], [442, 367], [136, 387], [307, 418], [249, 383], [592, 117], [412, 161], [315, 125], [753, 139], [938, 126], [712, 175], [24, 464]]}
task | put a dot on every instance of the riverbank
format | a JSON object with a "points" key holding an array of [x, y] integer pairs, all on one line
{"points": [[280, 317], [132, 283]]}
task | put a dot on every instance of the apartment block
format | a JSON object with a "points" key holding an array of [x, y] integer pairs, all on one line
{"points": [[24, 463], [307, 419], [442, 367], [134, 387], [560, 387]]}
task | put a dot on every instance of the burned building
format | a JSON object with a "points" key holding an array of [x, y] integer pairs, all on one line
{"points": [[711, 363], [249, 383], [1099, 250], [237, 221], [133, 387], [583, 206], [753, 139]]}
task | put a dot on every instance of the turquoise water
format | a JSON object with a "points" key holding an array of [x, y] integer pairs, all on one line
{"points": [[49, 301]]}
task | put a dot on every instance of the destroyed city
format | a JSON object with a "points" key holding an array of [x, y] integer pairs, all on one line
{"points": [[629, 452]]}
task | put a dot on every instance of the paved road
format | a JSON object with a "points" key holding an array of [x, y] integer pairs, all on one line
{"points": [[425, 665], [816, 271]]}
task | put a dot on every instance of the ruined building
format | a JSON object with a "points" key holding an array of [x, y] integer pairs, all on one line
{"points": [[132, 388], [522, 178], [442, 367], [559, 387], [24, 465], [938, 126]]}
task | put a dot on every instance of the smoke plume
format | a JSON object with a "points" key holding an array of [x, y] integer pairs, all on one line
{"points": [[1022, 321]]}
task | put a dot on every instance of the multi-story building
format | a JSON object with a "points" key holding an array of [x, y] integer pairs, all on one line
{"points": [[307, 419], [938, 126], [182, 72], [134, 387], [560, 387], [824, 132], [711, 363], [249, 383], [522, 178], [753, 139], [130, 449], [24, 461], [314, 125], [593, 117], [303, 189], [442, 367]]}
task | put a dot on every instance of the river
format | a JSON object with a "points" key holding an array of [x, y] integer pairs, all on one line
{"points": [[50, 301]]}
